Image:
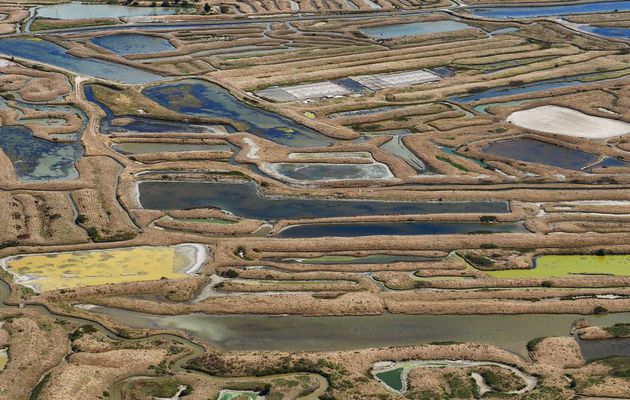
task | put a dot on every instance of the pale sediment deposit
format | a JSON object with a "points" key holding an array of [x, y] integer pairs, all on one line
{"points": [[568, 122]]}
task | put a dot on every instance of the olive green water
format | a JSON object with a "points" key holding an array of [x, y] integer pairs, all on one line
{"points": [[297, 333], [392, 378], [568, 265]]}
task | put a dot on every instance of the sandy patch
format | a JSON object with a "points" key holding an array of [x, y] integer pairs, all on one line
{"points": [[565, 121]]}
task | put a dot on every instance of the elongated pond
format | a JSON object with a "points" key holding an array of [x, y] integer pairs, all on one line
{"points": [[570, 265], [341, 259], [78, 10], [133, 43], [205, 99], [505, 12], [401, 229], [41, 51], [296, 333], [149, 147], [244, 200], [511, 90], [413, 29]]}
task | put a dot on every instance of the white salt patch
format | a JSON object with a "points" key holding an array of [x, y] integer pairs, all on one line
{"points": [[254, 150], [565, 121]]}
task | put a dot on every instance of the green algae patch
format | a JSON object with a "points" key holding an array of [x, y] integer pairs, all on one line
{"points": [[238, 395], [392, 378], [570, 265]]}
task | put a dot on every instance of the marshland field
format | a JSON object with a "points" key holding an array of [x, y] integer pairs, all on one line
{"points": [[314, 199]]}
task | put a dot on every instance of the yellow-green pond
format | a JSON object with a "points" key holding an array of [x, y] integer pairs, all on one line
{"points": [[569, 265]]}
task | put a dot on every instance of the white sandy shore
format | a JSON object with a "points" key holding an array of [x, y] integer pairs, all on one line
{"points": [[568, 122], [197, 253]]}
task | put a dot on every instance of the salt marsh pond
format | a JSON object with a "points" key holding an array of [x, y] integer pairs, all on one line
{"points": [[371, 259], [413, 29], [147, 147], [297, 333], [45, 52], [552, 10], [570, 265], [36, 159], [78, 10], [398, 229], [394, 375], [133, 43], [244, 200], [536, 151], [205, 99], [44, 272]]}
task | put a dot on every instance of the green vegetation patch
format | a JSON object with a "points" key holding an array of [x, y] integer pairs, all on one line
{"points": [[43, 24], [462, 387], [619, 330], [619, 366], [165, 388]]}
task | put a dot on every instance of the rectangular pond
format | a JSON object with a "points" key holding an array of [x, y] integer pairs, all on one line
{"points": [[78, 10], [244, 200], [570, 265], [148, 147], [399, 229], [536, 151], [594, 349], [341, 259]]}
